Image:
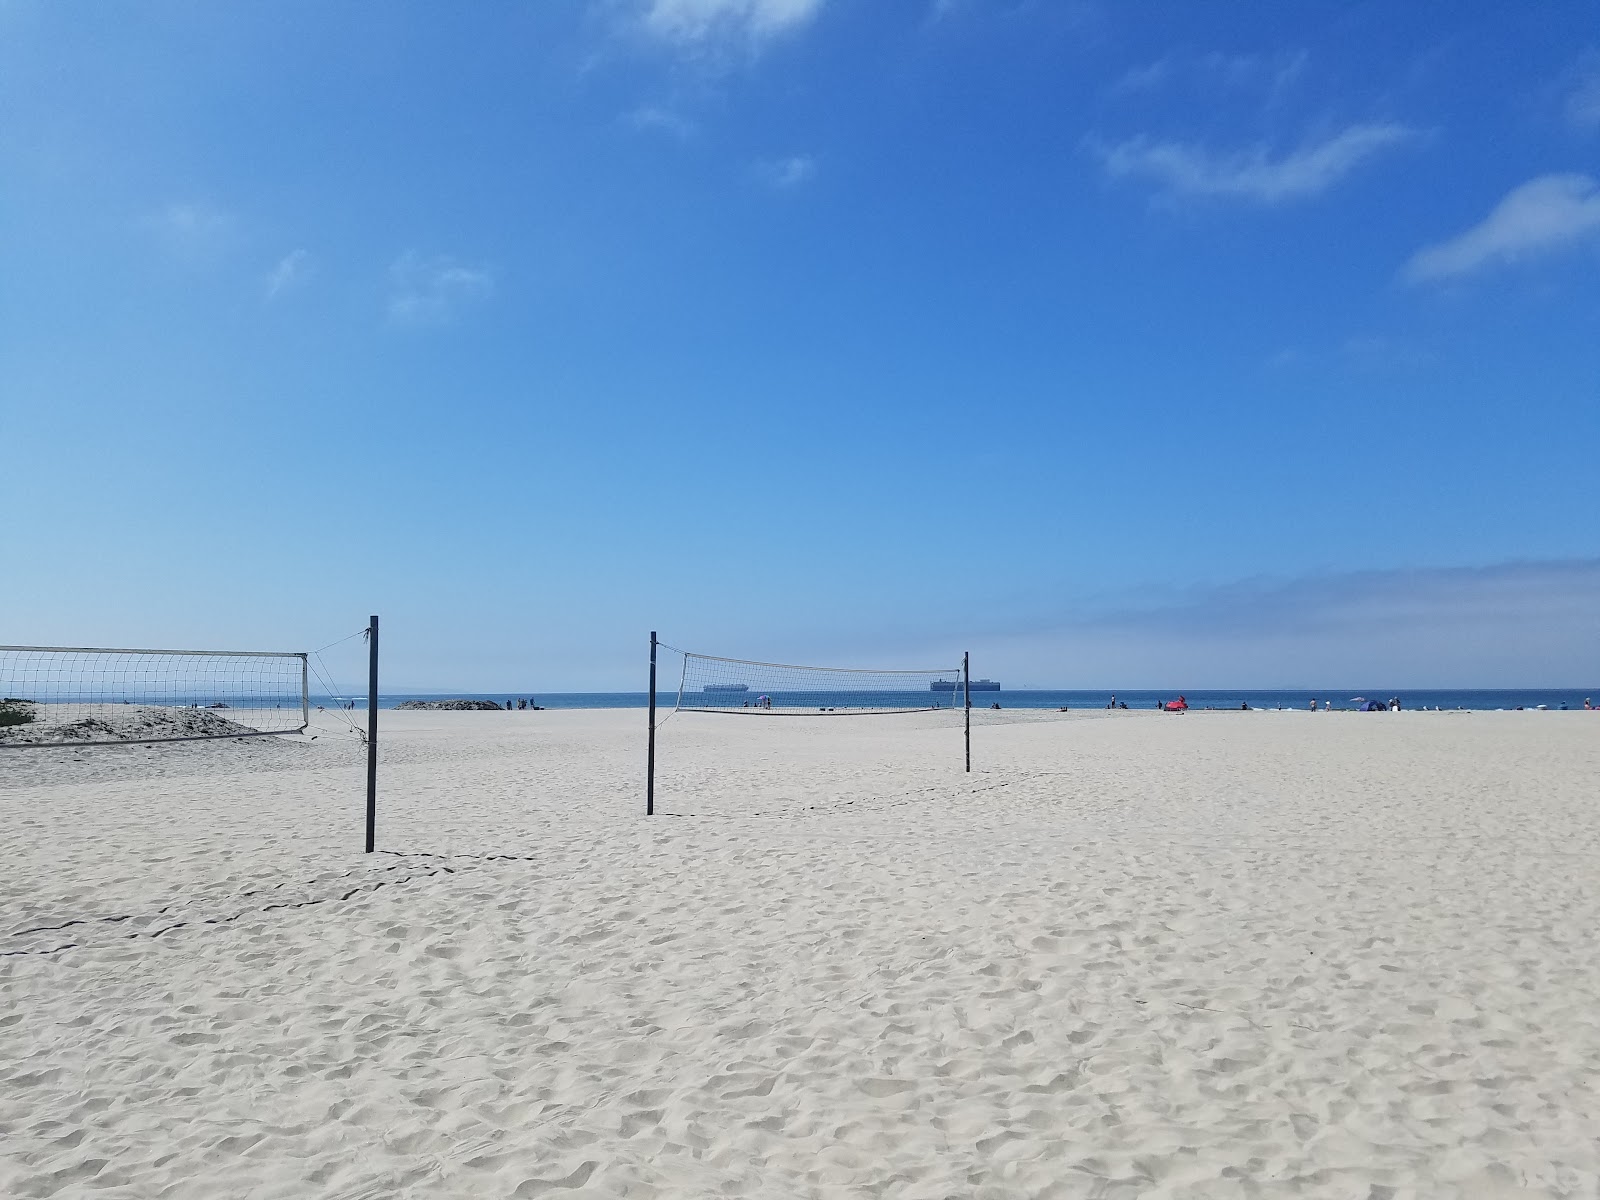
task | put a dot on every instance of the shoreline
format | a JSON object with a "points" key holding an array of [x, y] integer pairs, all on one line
{"points": [[1484, 700]]}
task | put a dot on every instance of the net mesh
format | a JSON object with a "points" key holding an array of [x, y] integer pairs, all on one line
{"points": [[731, 685], [85, 696]]}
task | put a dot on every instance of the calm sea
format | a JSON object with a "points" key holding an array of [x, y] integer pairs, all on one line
{"points": [[1526, 698]]}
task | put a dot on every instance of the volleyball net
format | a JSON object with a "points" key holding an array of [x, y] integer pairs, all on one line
{"points": [[709, 683], [80, 695]]}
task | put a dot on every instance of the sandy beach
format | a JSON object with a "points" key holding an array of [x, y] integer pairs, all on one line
{"points": [[1223, 954]]}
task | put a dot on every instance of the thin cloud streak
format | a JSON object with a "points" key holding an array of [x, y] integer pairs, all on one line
{"points": [[1143, 79], [664, 120], [788, 172], [1359, 600], [1583, 100], [751, 22], [1508, 625], [431, 291], [1254, 175], [1541, 217], [290, 272], [195, 231], [1271, 74]]}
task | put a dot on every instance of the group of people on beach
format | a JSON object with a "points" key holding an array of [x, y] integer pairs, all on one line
{"points": [[522, 705]]}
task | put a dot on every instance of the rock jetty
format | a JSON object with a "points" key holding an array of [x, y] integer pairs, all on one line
{"points": [[453, 705]]}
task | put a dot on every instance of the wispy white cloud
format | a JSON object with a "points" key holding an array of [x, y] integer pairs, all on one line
{"points": [[1254, 174], [193, 229], [1544, 215], [1144, 79], [665, 120], [1271, 73], [1519, 624], [752, 23], [430, 291], [290, 272], [1583, 94], [1378, 352], [787, 172]]}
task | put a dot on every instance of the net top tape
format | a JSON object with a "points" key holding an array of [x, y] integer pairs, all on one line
{"points": [[113, 650], [750, 662]]}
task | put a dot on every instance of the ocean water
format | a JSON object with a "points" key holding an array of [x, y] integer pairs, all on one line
{"points": [[1341, 698]]}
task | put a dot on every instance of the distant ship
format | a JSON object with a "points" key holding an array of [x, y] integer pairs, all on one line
{"points": [[977, 685], [726, 687]]}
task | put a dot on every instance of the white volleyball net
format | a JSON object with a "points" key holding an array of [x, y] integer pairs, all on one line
{"points": [[707, 772], [733, 685], [83, 696]]}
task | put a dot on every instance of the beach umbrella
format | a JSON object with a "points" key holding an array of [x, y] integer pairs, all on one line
{"points": [[1358, 699]]}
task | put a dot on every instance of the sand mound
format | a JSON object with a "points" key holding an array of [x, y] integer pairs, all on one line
{"points": [[122, 723]]}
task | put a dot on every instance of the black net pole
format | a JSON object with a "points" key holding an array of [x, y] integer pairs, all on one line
{"points": [[650, 758], [966, 693], [372, 734]]}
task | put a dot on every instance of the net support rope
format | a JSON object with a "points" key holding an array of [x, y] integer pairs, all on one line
{"points": [[325, 677]]}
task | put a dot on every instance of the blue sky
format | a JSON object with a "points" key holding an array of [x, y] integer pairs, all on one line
{"points": [[1122, 344]]}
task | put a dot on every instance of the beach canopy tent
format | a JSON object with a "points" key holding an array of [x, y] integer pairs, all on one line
{"points": [[1374, 706]]}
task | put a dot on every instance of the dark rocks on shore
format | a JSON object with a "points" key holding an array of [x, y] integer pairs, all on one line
{"points": [[16, 712], [453, 705]]}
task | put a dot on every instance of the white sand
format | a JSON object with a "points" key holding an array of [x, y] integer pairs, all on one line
{"points": [[1230, 954]]}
